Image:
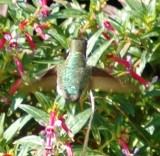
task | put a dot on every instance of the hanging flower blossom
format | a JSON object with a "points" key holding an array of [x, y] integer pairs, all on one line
{"points": [[108, 26], [124, 146], [69, 149], [64, 126], [44, 11], [52, 134], [15, 86], [6, 37], [38, 29], [12, 41], [19, 65], [30, 41], [125, 149], [2, 42], [128, 65]]}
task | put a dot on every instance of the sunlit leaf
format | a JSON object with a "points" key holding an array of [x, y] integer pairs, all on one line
{"points": [[13, 129], [78, 121], [37, 114]]}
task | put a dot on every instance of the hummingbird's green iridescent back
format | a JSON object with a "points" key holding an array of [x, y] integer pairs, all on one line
{"points": [[73, 74]]}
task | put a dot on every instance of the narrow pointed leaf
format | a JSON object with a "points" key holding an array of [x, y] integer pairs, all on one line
{"points": [[77, 122], [93, 59], [15, 127], [37, 114]]}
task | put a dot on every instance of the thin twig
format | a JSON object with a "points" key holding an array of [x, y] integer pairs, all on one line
{"points": [[89, 124]]}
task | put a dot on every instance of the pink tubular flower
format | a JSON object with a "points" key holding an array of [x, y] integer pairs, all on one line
{"points": [[138, 78], [6, 37], [108, 26], [124, 146], [2, 42], [106, 36], [44, 11], [15, 86], [128, 65], [30, 41], [39, 31], [52, 134], [19, 65], [44, 2], [120, 61], [69, 149], [52, 118], [64, 126]]}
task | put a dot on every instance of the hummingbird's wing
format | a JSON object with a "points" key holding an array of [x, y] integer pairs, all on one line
{"points": [[103, 81], [45, 80]]}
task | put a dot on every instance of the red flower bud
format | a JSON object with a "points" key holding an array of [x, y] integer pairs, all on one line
{"points": [[30, 41]]}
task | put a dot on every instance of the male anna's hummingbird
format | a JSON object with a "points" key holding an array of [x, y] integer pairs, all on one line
{"points": [[74, 75]]}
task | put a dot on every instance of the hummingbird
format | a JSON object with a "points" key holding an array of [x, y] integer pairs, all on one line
{"points": [[74, 76]]}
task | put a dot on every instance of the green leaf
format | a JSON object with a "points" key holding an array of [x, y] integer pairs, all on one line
{"points": [[16, 101], [15, 127], [61, 39], [155, 121], [75, 123], [137, 8], [152, 93], [94, 58], [92, 41], [125, 105], [67, 13], [44, 100], [117, 124], [89, 152], [53, 62], [6, 2], [2, 117], [96, 133], [31, 140], [37, 114], [100, 128], [27, 144]]}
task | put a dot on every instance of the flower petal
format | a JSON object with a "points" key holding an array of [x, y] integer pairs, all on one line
{"points": [[23, 24], [138, 78], [15, 86], [2, 42], [19, 65], [108, 26], [30, 41], [64, 126], [120, 60], [69, 149], [124, 145], [52, 118]]}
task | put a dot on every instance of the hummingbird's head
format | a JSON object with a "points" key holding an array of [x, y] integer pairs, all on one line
{"points": [[73, 97], [78, 45]]}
